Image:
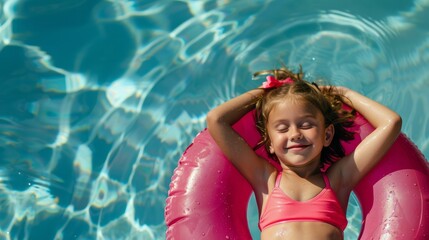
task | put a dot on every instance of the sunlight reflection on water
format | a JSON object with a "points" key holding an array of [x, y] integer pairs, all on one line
{"points": [[100, 98]]}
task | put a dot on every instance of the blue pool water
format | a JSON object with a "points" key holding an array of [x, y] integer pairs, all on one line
{"points": [[99, 98]]}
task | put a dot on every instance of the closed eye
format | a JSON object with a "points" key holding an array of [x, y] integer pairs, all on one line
{"points": [[307, 125], [282, 128]]}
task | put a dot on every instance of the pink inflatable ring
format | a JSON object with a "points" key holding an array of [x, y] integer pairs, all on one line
{"points": [[208, 197]]}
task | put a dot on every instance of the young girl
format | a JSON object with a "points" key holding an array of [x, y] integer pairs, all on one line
{"points": [[301, 126]]}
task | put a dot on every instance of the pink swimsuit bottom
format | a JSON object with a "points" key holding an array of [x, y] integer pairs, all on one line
{"points": [[324, 207]]}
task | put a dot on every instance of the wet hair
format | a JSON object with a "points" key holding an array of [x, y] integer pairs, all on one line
{"points": [[327, 100]]}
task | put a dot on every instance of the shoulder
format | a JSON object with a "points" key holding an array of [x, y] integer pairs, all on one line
{"points": [[267, 179], [265, 185], [339, 184], [336, 177]]}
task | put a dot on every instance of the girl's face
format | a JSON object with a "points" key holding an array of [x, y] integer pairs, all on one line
{"points": [[297, 132]]}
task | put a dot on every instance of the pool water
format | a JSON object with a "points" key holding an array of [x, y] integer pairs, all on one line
{"points": [[99, 98]]}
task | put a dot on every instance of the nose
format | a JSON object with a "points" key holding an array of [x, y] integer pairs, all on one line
{"points": [[295, 134]]}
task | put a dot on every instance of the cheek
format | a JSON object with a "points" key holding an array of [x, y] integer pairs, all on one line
{"points": [[270, 135], [315, 136], [277, 141], [271, 139]]}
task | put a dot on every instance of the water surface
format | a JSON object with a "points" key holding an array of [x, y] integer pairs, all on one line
{"points": [[100, 98]]}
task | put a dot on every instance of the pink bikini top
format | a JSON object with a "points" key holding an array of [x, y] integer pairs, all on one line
{"points": [[324, 207]]}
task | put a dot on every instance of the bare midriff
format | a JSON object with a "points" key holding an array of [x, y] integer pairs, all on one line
{"points": [[302, 231]]}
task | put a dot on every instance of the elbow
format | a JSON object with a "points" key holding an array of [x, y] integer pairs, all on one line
{"points": [[396, 123], [211, 119]]}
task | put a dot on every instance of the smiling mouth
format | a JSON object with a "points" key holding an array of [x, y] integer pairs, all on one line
{"points": [[297, 147]]}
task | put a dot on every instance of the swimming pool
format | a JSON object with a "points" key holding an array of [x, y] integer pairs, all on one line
{"points": [[100, 98]]}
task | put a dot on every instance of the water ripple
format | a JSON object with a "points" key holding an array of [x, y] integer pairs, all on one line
{"points": [[100, 98]]}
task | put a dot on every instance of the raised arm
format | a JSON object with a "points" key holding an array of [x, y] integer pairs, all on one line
{"points": [[368, 153], [242, 156]]}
